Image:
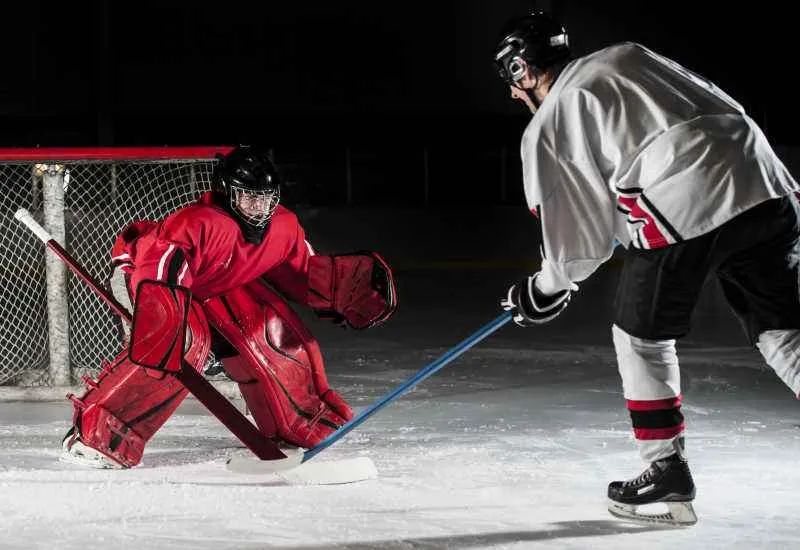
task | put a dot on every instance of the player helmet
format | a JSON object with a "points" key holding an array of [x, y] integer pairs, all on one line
{"points": [[537, 38], [248, 182]]}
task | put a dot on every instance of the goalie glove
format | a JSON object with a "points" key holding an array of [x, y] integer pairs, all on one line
{"points": [[356, 289], [530, 307]]}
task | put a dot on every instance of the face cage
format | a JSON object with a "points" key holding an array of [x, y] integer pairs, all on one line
{"points": [[270, 203], [510, 66]]}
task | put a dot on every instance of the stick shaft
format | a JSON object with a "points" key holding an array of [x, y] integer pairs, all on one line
{"points": [[421, 375]]}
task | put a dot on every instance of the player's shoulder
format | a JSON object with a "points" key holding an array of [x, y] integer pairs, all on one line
{"points": [[614, 53], [608, 65], [284, 218], [200, 215], [600, 75]]}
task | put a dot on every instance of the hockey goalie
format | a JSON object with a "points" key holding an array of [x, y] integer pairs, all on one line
{"points": [[240, 256]]}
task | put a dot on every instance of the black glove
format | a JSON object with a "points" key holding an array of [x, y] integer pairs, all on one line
{"points": [[530, 307]]}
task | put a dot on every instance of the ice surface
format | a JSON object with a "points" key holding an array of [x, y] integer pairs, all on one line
{"points": [[506, 448], [511, 446]]}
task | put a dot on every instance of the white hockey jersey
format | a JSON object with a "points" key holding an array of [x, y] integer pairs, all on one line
{"points": [[632, 146]]}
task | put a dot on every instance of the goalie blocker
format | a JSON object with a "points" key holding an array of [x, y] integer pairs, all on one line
{"points": [[279, 366]]}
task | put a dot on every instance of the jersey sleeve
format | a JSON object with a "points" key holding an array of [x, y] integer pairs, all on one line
{"points": [[168, 253], [565, 189], [290, 276]]}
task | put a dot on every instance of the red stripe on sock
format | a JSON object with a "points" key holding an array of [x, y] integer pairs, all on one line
{"points": [[649, 434], [654, 405]]}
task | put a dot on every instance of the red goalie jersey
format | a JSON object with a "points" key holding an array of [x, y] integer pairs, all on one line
{"points": [[202, 247]]}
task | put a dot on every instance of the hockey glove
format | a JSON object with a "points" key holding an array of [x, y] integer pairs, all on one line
{"points": [[530, 307], [355, 289]]}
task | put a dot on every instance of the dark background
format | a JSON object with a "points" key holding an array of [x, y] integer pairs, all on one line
{"points": [[388, 115], [330, 74]]}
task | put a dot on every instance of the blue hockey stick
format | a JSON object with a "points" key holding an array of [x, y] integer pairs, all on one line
{"points": [[424, 373]]}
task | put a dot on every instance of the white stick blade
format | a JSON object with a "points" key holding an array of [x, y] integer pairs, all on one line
{"points": [[249, 464], [25, 217], [314, 472], [336, 472]]}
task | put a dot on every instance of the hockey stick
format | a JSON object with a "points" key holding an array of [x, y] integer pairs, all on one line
{"points": [[25, 217], [264, 448], [248, 465]]}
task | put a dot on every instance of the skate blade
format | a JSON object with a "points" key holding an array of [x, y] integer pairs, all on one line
{"points": [[680, 514], [94, 462]]}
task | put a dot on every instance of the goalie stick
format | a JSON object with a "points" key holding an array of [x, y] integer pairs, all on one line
{"points": [[299, 459], [263, 447]]}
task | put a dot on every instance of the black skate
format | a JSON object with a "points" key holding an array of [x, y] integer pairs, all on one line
{"points": [[667, 480], [214, 370]]}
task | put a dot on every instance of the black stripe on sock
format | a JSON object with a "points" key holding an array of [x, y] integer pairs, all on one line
{"points": [[665, 418]]}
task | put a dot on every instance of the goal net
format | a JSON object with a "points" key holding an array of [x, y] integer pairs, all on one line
{"points": [[53, 329]]}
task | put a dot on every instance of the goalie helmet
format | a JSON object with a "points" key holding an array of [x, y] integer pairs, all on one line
{"points": [[538, 39], [248, 184]]}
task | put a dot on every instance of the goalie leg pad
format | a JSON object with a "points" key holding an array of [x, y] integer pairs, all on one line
{"points": [[279, 369], [111, 436], [122, 410]]}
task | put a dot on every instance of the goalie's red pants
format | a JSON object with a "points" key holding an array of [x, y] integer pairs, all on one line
{"points": [[279, 370]]}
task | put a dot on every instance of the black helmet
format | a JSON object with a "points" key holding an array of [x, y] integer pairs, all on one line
{"points": [[247, 181], [537, 38]]}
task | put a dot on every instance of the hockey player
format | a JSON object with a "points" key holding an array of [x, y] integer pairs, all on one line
{"points": [[627, 145], [240, 253]]}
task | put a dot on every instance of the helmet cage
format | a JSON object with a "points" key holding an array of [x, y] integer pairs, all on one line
{"points": [[536, 48], [262, 204], [509, 63]]}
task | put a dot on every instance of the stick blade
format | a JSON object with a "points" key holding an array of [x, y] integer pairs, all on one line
{"points": [[295, 472], [350, 470], [249, 464]]}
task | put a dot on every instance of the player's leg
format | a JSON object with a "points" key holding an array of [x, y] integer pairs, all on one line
{"points": [[762, 285], [781, 351], [121, 410], [651, 385], [657, 293], [279, 367]]}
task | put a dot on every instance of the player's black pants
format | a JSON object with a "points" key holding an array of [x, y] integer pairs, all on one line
{"points": [[756, 256]]}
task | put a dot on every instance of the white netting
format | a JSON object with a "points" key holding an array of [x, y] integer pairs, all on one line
{"points": [[23, 305], [101, 197]]}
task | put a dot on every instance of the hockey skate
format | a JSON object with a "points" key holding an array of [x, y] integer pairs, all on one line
{"points": [[214, 371], [666, 481], [74, 451]]}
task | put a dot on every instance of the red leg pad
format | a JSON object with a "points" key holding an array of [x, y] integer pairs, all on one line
{"points": [[111, 436], [279, 369], [124, 407]]}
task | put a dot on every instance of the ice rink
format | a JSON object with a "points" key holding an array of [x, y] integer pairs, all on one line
{"points": [[511, 446], [503, 449]]}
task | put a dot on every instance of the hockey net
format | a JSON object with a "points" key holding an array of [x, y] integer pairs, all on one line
{"points": [[83, 197]]}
